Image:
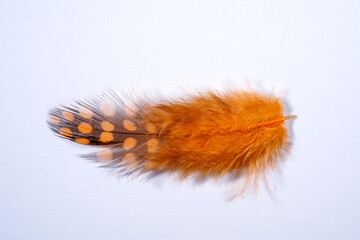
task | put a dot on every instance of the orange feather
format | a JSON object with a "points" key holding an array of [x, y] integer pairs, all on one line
{"points": [[207, 135]]}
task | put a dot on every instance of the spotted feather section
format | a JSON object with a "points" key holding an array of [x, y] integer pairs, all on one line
{"points": [[109, 122]]}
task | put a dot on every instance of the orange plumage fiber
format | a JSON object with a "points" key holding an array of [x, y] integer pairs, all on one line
{"points": [[208, 134]]}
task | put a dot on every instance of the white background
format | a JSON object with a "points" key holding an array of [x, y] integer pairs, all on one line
{"points": [[54, 51]]}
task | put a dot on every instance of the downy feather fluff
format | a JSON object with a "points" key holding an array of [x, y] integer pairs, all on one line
{"points": [[209, 134]]}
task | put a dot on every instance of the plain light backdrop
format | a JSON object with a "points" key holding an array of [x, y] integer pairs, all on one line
{"points": [[54, 51]]}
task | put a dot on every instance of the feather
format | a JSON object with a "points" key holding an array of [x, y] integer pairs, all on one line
{"points": [[209, 134]]}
